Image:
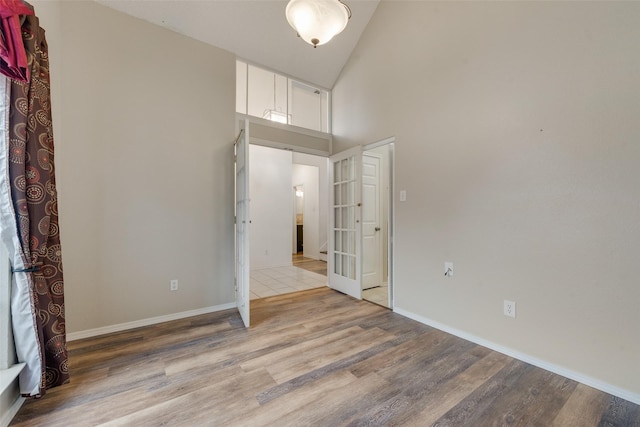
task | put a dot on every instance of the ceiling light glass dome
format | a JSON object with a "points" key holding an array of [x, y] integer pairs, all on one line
{"points": [[317, 21]]}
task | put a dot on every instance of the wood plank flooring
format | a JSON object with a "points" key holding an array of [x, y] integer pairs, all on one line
{"points": [[312, 358], [309, 264]]}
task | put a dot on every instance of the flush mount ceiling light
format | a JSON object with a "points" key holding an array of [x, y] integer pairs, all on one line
{"points": [[317, 21]]}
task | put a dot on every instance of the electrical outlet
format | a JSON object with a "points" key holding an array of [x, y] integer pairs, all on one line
{"points": [[174, 285], [509, 308]]}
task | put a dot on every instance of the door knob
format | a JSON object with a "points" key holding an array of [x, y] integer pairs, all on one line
{"points": [[377, 228]]}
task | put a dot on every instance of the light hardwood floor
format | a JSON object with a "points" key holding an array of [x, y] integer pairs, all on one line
{"points": [[311, 358], [309, 264]]}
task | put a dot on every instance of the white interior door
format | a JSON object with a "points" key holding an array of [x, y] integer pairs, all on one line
{"points": [[344, 261], [242, 222], [371, 222]]}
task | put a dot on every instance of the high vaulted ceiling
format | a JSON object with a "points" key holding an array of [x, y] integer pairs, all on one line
{"points": [[257, 31]]}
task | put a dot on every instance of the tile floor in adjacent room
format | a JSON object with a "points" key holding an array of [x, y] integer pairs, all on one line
{"points": [[378, 295], [267, 282]]}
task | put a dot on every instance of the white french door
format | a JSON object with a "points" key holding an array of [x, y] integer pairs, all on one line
{"points": [[242, 276], [345, 253]]}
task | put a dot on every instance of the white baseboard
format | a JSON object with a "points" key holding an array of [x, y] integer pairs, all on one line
{"points": [[146, 322], [576, 376], [265, 267], [7, 417]]}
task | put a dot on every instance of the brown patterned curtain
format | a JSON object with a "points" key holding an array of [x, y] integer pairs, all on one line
{"points": [[30, 220]]}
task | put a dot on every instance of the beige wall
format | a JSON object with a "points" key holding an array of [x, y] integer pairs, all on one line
{"points": [[516, 128], [144, 125]]}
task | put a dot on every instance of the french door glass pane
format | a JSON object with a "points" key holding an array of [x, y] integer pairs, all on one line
{"points": [[345, 265], [344, 218], [345, 170], [345, 195], [351, 192]]}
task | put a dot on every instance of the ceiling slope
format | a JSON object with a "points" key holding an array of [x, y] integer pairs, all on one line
{"points": [[257, 31]]}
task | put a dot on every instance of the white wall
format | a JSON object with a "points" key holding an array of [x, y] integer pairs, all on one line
{"points": [[307, 176], [144, 124], [516, 128], [323, 194], [266, 90], [271, 215]]}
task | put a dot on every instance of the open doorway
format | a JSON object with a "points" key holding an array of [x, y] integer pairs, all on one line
{"points": [[286, 196], [341, 180], [298, 206], [249, 256]]}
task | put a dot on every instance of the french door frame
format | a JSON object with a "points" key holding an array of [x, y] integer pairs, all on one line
{"points": [[345, 228], [242, 222]]}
